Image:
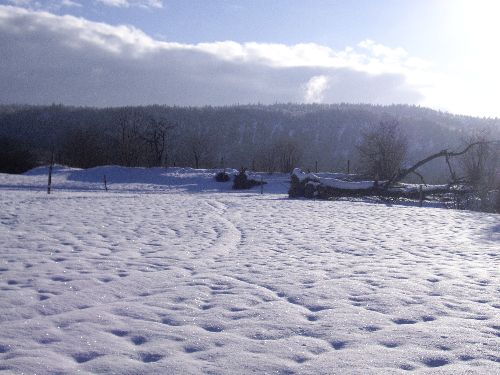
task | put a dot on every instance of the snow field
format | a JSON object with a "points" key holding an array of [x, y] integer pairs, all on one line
{"points": [[189, 281]]}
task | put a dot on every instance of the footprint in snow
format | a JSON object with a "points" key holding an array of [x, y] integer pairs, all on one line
{"points": [[213, 328], [119, 332], [466, 358], [150, 357], [435, 361], [370, 328], [61, 278], [390, 344], [138, 340], [192, 349], [338, 345], [407, 367], [404, 321], [48, 340], [428, 318], [85, 357]]}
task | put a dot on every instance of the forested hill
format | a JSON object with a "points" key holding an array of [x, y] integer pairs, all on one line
{"points": [[243, 135]]}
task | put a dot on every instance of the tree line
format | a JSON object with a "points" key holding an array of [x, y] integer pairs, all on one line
{"points": [[267, 138]]}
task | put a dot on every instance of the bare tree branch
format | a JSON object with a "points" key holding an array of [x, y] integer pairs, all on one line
{"points": [[444, 153]]}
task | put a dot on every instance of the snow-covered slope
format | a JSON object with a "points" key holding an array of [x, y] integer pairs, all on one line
{"points": [[168, 273]]}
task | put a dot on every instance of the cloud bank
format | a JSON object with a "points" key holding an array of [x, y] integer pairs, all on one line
{"points": [[48, 58]]}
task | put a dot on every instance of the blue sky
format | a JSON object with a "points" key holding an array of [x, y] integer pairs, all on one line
{"points": [[442, 54]]}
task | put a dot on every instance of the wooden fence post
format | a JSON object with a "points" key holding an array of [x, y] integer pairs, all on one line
{"points": [[49, 182]]}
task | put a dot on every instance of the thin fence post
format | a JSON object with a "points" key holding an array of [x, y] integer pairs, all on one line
{"points": [[348, 166], [49, 182], [421, 195], [316, 166], [105, 183]]}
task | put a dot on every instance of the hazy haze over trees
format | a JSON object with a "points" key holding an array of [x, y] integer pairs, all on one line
{"points": [[269, 138]]}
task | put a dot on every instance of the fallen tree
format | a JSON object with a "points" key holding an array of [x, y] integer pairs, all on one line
{"points": [[458, 189], [309, 185]]}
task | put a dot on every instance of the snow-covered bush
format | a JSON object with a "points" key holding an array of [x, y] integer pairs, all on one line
{"points": [[242, 181], [222, 177]]}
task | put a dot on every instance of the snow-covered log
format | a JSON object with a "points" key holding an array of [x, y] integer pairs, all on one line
{"points": [[310, 185]]}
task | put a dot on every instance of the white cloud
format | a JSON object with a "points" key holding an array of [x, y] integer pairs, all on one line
{"points": [[49, 5], [315, 88], [70, 3], [75, 61], [114, 3], [133, 3]]}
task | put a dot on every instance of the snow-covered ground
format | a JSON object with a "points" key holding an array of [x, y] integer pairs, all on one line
{"points": [[170, 272]]}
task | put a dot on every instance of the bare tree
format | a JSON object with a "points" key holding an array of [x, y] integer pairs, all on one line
{"points": [[281, 155], [83, 148], [289, 155], [129, 137], [267, 159], [382, 150], [198, 148], [402, 173], [480, 165], [155, 135]]}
